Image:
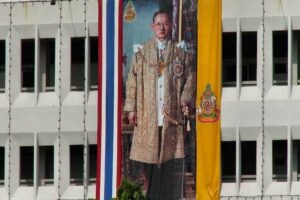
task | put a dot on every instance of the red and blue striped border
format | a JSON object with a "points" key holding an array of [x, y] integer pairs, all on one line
{"points": [[109, 152]]}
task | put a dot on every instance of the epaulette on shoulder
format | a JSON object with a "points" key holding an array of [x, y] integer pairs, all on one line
{"points": [[137, 48], [182, 45]]}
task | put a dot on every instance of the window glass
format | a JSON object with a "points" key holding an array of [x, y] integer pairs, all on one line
{"points": [[228, 156], [26, 166], [248, 149], [47, 63], [92, 163], [46, 164], [249, 55], [229, 59], [77, 63], [2, 65], [76, 164], [94, 62], [27, 60], [280, 53], [279, 151]]}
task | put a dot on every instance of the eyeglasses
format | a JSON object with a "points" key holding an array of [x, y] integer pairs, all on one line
{"points": [[161, 24]]}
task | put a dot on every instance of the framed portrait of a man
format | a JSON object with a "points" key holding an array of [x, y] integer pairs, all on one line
{"points": [[159, 64]]}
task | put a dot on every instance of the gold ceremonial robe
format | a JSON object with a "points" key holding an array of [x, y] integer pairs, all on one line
{"points": [[141, 97]]}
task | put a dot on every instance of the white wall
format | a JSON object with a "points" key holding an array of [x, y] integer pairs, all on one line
{"points": [[242, 106], [34, 116]]}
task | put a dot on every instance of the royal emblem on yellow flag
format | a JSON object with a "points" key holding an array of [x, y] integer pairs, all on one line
{"points": [[208, 109], [208, 101]]}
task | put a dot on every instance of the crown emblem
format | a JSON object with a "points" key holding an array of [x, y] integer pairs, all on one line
{"points": [[130, 13], [208, 110]]}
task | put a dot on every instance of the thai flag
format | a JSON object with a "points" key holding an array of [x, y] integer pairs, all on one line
{"points": [[109, 150]]}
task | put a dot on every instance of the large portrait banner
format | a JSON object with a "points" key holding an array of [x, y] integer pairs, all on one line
{"points": [[159, 84]]}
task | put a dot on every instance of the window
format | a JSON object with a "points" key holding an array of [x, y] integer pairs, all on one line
{"points": [[296, 57], [26, 166], [27, 62], [46, 165], [94, 63], [2, 165], [280, 53], [77, 63], [76, 164], [249, 55], [296, 160], [47, 63], [228, 151], [92, 163], [2, 65], [279, 160], [229, 59], [248, 165]]}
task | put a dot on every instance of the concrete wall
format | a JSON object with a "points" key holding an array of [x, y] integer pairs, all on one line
{"points": [[242, 106], [34, 115]]}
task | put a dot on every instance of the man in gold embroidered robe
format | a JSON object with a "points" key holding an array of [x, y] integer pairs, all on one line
{"points": [[142, 97], [159, 90]]}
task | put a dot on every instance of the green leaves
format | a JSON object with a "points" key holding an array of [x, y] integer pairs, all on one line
{"points": [[129, 190]]}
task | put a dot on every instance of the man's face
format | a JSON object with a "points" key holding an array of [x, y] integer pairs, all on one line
{"points": [[161, 26]]}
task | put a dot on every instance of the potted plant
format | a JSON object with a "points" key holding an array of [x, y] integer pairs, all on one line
{"points": [[129, 190]]}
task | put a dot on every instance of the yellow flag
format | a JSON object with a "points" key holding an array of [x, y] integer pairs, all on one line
{"points": [[208, 101]]}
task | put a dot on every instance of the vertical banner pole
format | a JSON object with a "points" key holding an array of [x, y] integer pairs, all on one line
{"points": [[180, 21], [208, 101]]}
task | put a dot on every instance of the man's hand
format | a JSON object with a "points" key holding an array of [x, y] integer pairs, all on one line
{"points": [[132, 118]]}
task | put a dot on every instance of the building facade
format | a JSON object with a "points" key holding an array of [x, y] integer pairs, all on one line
{"points": [[48, 108], [260, 130]]}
